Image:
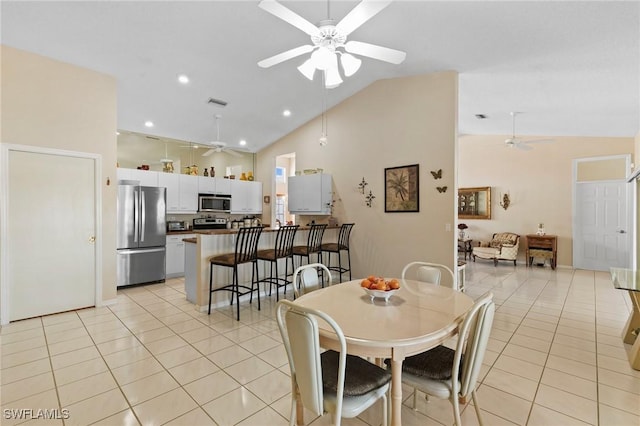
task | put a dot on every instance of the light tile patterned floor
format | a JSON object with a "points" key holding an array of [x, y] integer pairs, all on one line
{"points": [[555, 358]]}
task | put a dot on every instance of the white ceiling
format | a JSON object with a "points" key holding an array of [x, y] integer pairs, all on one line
{"points": [[572, 68]]}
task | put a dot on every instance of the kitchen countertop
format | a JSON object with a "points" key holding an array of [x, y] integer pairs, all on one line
{"points": [[233, 231]]}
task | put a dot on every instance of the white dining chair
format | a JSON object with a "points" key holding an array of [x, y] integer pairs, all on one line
{"points": [[308, 278], [452, 374], [427, 271], [343, 385]]}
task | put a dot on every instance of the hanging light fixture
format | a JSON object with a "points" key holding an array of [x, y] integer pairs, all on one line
{"points": [[323, 135]]}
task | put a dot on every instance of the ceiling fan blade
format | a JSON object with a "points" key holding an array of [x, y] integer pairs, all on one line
{"points": [[360, 14], [209, 152], [522, 147], [539, 141], [285, 56], [376, 52], [278, 10], [233, 153]]}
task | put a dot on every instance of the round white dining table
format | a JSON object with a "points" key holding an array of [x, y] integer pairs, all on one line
{"points": [[417, 317]]}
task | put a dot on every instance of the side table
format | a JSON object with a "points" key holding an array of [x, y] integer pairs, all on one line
{"points": [[465, 246], [544, 246]]}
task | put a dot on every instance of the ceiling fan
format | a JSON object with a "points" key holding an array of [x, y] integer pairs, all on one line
{"points": [[329, 40], [218, 145], [518, 143]]}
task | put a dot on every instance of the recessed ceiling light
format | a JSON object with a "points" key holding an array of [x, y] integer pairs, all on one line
{"points": [[286, 113], [148, 123], [117, 133], [183, 79], [243, 142]]}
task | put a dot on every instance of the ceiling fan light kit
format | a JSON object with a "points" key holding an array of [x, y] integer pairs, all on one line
{"points": [[328, 38]]}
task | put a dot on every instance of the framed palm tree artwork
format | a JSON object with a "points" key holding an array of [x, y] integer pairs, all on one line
{"points": [[401, 189]]}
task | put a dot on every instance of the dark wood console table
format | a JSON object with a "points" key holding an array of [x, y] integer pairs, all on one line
{"points": [[545, 246]]}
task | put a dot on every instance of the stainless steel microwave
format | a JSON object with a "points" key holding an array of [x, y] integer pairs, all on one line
{"points": [[219, 203]]}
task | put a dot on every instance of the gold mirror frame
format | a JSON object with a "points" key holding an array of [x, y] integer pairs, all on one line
{"points": [[474, 203]]}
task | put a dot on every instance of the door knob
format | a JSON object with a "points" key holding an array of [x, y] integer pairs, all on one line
{"points": [[92, 239], [622, 231]]}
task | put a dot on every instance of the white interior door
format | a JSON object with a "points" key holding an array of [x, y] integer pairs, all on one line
{"points": [[602, 229], [51, 233]]}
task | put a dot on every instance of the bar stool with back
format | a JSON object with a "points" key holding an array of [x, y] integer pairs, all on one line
{"points": [[283, 249], [314, 241], [246, 249], [341, 245]]}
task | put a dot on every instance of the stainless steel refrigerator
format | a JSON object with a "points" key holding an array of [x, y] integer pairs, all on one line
{"points": [[142, 234]]}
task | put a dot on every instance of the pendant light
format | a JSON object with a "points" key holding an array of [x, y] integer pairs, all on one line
{"points": [[323, 120]]}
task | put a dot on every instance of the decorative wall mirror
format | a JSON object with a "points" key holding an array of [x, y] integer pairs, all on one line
{"points": [[474, 203]]}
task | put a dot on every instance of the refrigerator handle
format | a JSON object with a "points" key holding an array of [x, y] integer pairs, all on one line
{"points": [[136, 206], [143, 222]]}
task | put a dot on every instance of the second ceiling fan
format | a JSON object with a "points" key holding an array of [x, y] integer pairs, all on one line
{"points": [[329, 40], [519, 143]]}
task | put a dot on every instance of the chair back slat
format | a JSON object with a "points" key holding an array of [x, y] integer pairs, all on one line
{"points": [[428, 272], [247, 244], [315, 237], [472, 341], [343, 235], [308, 278], [284, 240]]}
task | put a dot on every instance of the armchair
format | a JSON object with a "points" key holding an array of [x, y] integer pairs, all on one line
{"points": [[503, 246]]}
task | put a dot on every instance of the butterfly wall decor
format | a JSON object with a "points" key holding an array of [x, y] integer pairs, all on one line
{"points": [[437, 175], [441, 189]]}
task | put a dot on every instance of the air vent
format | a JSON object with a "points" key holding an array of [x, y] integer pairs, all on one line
{"points": [[217, 102], [152, 137]]}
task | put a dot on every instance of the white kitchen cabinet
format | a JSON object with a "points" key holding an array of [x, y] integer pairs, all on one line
{"points": [[206, 185], [182, 192], [214, 185], [310, 194], [246, 197], [223, 186], [145, 177], [175, 255]]}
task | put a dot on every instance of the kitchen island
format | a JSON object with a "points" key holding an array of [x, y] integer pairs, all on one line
{"points": [[209, 243]]}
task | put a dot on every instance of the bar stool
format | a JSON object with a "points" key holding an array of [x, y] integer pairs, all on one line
{"points": [[341, 245], [283, 249], [314, 240], [246, 249]]}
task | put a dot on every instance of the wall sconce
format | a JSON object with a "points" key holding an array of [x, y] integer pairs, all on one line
{"points": [[370, 198], [361, 185], [505, 201]]}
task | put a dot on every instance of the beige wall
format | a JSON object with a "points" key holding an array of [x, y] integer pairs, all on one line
{"points": [[391, 123], [602, 169], [539, 183], [51, 104]]}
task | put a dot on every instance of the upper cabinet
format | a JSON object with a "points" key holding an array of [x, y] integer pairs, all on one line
{"points": [[214, 185], [246, 197], [310, 194], [145, 177], [182, 192]]}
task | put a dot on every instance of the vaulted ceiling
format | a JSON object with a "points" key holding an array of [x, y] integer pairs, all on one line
{"points": [[572, 68]]}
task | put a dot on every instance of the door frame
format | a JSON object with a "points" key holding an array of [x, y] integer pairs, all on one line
{"points": [[631, 203], [5, 150]]}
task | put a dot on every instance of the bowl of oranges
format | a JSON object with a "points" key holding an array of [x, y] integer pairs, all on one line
{"points": [[379, 288]]}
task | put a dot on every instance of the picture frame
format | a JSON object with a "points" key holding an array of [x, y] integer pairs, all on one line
{"points": [[474, 203], [402, 189]]}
